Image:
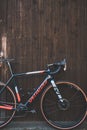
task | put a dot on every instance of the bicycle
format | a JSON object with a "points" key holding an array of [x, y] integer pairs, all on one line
{"points": [[63, 104]]}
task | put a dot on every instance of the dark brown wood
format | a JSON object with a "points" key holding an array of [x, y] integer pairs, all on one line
{"points": [[45, 31]]}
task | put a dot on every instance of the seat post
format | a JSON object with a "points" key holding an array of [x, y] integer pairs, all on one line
{"points": [[10, 68]]}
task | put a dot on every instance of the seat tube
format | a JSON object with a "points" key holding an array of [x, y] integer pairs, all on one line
{"points": [[10, 68], [56, 90]]}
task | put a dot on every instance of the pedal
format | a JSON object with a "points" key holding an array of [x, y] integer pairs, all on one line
{"points": [[33, 111]]}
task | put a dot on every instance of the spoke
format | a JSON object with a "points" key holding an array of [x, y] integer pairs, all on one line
{"points": [[51, 104], [80, 106]]}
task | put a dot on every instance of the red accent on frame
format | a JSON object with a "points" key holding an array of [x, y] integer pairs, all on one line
{"points": [[37, 92], [7, 107], [18, 97], [42, 71]]}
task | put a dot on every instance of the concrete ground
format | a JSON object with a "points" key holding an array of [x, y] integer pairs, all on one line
{"points": [[36, 125]]}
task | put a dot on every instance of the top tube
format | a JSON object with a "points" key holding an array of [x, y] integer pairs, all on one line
{"points": [[31, 73]]}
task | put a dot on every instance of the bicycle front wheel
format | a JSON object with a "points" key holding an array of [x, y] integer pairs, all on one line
{"points": [[7, 105], [72, 114]]}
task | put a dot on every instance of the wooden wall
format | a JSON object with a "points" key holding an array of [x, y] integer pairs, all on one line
{"points": [[45, 31]]}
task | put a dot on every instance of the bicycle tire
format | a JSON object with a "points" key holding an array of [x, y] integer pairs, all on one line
{"points": [[75, 111], [7, 100]]}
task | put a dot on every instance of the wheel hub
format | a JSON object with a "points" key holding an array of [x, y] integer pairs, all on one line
{"points": [[64, 105]]}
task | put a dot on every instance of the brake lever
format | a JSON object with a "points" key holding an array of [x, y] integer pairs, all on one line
{"points": [[63, 63], [65, 67]]}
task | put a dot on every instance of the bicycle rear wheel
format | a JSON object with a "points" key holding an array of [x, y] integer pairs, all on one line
{"points": [[74, 111], [7, 105]]}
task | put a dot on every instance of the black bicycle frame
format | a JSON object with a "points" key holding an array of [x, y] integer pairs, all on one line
{"points": [[36, 92]]}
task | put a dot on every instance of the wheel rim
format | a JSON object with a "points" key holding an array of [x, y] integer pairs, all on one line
{"points": [[70, 122], [7, 115]]}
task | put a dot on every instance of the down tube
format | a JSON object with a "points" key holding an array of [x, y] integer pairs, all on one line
{"points": [[38, 90]]}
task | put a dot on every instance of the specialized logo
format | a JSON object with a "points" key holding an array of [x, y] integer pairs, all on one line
{"points": [[38, 91]]}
